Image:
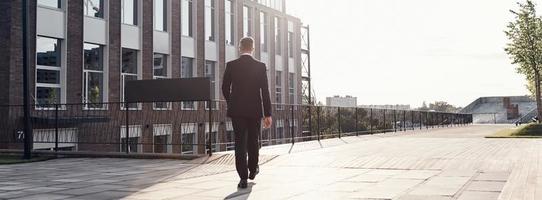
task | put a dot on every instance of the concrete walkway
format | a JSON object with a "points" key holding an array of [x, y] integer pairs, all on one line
{"points": [[449, 163]]}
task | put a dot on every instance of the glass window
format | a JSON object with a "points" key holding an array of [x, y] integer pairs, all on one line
{"points": [[187, 71], [230, 22], [160, 71], [210, 71], [162, 138], [214, 135], [160, 15], [93, 77], [187, 68], [48, 51], [48, 72], [48, 76], [187, 18], [189, 140], [129, 70], [210, 20], [129, 12], [160, 65], [278, 40], [133, 140], [278, 88], [291, 44], [50, 3], [291, 84], [247, 21], [46, 97], [263, 31], [94, 8]]}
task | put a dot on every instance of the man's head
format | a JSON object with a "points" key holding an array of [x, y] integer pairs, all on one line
{"points": [[246, 45]]}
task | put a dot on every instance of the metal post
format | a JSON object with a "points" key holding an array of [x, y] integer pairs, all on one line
{"points": [[412, 120], [371, 122], [28, 136], [385, 126], [318, 122], [56, 127], [339, 118], [404, 121], [357, 134], [310, 120], [426, 120], [394, 120], [309, 63], [127, 135], [292, 125], [210, 142], [421, 121]]}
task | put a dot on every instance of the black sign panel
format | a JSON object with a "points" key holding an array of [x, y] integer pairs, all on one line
{"points": [[168, 90]]}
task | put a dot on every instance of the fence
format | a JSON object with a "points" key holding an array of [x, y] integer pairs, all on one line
{"points": [[187, 128]]}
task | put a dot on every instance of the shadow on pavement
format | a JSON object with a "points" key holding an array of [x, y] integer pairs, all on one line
{"points": [[245, 193]]}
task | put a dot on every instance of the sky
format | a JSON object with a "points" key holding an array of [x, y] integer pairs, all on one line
{"points": [[410, 51]]}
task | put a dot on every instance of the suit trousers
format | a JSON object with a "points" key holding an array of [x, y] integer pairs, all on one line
{"points": [[247, 131]]}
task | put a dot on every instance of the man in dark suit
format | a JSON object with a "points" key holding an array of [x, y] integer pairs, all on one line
{"points": [[246, 90]]}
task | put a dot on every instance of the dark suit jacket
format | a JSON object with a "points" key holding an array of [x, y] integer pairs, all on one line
{"points": [[246, 89]]}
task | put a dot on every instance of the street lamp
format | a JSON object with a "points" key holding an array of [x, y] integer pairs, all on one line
{"points": [[28, 138]]}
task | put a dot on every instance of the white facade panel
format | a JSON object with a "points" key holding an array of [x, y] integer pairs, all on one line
{"points": [[188, 47], [290, 26], [50, 22], [95, 30], [130, 37], [161, 42], [231, 53], [278, 63], [211, 51], [291, 65], [265, 59]]}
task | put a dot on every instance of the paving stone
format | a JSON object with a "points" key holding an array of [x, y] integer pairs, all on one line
{"points": [[373, 178], [424, 197], [486, 186], [44, 189], [441, 186], [15, 187], [476, 195], [14, 194], [493, 176], [417, 174], [44, 196], [346, 186], [431, 165], [105, 195], [80, 191]]}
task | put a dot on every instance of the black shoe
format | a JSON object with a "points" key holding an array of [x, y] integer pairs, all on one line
{"points": [[242, 184], [253, 174]]}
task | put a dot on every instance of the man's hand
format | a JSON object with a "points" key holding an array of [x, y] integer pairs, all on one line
{"points": [[267, 122]]}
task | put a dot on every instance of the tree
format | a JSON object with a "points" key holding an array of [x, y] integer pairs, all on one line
{"points": [[442, 106], [424, 107], [525, 46]]}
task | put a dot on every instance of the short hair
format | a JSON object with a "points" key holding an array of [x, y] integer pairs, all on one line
{"points": [[246, 44]]}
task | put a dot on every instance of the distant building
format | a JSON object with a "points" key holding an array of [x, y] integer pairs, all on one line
{"points": [[347, 101], [391, 107], [501, 110]]}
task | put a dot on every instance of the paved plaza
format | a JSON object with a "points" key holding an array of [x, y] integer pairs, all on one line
{"points": [[448, 163]]}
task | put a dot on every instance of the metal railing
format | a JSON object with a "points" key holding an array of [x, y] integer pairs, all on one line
{"points": [[183, 127]]}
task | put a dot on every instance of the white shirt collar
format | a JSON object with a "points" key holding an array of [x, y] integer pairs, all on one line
{"points": [[246, 54]]}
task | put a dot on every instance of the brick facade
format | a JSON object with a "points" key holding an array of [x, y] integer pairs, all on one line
{"points": [[11, 65]]}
